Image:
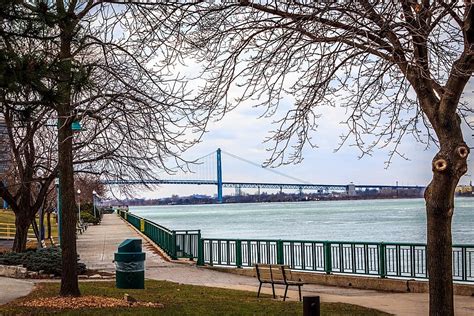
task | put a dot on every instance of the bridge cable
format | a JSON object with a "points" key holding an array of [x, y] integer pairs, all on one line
{"points": [[270, 170]]}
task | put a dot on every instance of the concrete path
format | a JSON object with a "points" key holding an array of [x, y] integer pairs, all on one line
{"points": [[6, 244], [11, 289], [98, 244]]}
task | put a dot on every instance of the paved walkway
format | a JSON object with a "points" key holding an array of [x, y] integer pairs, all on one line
{"points": [[98, 244], [6, 244], [11, 289]]}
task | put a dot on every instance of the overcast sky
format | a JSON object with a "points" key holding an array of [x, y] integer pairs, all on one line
{"points": [[242, 133]]}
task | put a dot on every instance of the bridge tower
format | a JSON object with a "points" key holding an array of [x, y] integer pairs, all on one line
{"points": [[350, 190], [219, 175]]}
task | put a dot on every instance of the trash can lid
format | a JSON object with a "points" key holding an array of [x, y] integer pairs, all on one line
{"points": [[131, 245], [129, 256]]}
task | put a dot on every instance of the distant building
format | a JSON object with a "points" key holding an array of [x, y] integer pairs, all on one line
{"points": [[351, 191], [464, 190]]}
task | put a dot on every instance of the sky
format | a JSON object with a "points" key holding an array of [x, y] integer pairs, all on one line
{"points": [[242, 133]]}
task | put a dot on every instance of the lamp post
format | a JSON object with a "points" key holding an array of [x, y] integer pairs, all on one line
{"points": [[79, 202], [5, 204], [58, 208], [93, 202], [39, 174]]}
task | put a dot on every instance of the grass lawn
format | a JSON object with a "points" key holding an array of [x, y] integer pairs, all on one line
{"points": [[179, 299], [7, 217]]}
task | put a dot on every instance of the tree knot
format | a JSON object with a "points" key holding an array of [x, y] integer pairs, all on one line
{"points": [[462, 151], [440, 164]]}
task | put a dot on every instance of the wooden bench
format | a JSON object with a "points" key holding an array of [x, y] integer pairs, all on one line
{"points": [[276, 274]]}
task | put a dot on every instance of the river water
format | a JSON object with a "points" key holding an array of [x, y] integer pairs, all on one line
{"points": [[364, 220]]}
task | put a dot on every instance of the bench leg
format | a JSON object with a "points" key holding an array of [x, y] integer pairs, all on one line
{"points": [[286, 290], [259, 288], [273, 290], [299, 291]]}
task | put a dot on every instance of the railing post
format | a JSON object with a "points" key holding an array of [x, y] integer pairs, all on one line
{"points": [[464, 264], [382, 260], [327, 257], [142, 225], [174, 254], [280, 258], [200, 250], [211, 261], [238, 253]]}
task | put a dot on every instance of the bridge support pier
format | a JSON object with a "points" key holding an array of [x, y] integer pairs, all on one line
{"points": [[219, 176]]}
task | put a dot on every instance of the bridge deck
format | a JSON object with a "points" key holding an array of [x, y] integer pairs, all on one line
{"points": [[264, 185]]}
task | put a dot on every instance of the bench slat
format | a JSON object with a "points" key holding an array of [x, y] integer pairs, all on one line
{"points": [[276, 274], [264, 275]]}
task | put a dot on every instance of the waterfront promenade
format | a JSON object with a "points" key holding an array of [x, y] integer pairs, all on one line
{"points": [[98, 244]]}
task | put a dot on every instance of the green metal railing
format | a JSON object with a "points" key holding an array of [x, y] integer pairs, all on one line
{"points": [[401, 260], [176, 243]]}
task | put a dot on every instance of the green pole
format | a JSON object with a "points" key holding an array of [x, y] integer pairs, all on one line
{"points": [[58, 204], [174, 254], [5, 204], [327, 257], [280, 258], [238, 253], [210, 253], [200, 261], [382, 259]]}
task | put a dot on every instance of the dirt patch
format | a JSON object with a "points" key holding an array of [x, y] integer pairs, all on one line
{"points": [[60, 303]]}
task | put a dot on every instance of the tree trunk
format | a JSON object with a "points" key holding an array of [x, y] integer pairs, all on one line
{"points": [[22, 224], [440, 262], [448, 167], [69, 279]]}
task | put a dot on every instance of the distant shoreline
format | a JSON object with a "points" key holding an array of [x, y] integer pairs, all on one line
{"points": [[261, 199]]}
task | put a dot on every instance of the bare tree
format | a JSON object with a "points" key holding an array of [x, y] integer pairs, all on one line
{"points": [[99, 71], [32, 170], [398, 68], [88, 184]]}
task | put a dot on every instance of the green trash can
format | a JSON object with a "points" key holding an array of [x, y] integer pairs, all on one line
{"points": [[130, 265]]}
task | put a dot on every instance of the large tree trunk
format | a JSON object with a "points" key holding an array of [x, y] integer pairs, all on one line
{"points": [[22, 224], [69, 279], [448, 167], [440, 255]]}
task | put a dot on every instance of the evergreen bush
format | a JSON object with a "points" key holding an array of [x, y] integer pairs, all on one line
{"points": [[89, 218], [46, 259]]}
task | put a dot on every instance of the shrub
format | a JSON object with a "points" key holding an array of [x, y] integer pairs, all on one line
{"points": [[89, 218], [46, 259], [87, 208]]}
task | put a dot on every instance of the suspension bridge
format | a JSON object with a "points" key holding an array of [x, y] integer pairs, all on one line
{"points": [[211, 165]]}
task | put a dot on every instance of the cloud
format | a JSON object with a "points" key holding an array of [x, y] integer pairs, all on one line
{"points": [[241, 133]]}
